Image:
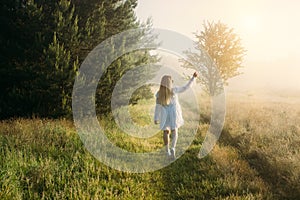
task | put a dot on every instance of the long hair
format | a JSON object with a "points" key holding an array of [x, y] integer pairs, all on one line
{"points": [[165, 91]]}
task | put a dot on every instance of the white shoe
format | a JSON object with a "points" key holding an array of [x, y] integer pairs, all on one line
{"points": [[168, 152]]}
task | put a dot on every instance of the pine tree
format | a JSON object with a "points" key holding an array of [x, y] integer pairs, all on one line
{"points": [[61, 60], [43, 43], [20, 46]]}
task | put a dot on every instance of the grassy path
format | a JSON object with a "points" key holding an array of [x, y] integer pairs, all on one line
{"points": [[45, 159]]}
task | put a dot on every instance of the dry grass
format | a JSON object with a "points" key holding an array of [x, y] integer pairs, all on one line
{"points": [[267, 135], [257, 157]]}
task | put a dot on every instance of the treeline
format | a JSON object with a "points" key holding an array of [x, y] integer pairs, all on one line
{"points": [[43, 43]]}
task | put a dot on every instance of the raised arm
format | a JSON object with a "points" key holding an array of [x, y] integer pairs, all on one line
{"points": [[187, 86]]}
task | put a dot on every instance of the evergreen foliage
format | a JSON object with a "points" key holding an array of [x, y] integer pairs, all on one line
{"points": [[43, 43]]}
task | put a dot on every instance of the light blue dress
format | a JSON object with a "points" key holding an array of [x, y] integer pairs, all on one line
{"points": [[170, 116]]}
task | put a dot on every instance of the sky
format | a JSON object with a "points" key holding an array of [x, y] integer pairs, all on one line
{"points": [[269, 30]]}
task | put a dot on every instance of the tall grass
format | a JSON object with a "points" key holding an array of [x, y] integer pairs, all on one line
{"points": [[257, 157], [267, 134]]}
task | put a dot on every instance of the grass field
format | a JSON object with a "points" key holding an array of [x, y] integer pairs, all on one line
{"points": [[257, 157]]}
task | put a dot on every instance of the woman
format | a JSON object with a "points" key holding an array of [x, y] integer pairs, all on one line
{"points": [[168, 110]]}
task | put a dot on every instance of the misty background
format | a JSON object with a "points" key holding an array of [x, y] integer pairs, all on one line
{"points": [[268, 30]]}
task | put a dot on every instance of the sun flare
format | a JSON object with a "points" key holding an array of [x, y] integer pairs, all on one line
{"points": [[251, 24]]}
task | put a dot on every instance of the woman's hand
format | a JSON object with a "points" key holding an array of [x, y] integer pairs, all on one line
{"points": [[195, 74]]}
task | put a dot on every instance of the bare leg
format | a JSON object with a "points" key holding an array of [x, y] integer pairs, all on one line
{"points": [[166, 140], [166, 137]]}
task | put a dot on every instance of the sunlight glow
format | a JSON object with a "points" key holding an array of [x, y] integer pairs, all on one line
{"points": [[251, 24]]}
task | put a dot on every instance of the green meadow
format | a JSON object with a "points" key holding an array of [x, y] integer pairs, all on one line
{"points": [[256, 157]]}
